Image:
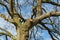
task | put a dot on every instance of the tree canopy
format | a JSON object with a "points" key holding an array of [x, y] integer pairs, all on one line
{"points": [[31, 17]]}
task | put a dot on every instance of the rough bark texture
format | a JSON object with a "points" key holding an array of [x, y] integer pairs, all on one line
{"points": [[39, 10], [23, 29], [22, 33]]}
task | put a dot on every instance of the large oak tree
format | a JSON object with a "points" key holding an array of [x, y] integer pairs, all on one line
{"points": [[24, 25]]}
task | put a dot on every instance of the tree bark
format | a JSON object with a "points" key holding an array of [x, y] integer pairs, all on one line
{"points": [[39, 10], [22, 34]]}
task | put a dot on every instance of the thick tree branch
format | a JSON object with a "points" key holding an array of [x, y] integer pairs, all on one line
{"points": [[39, 9], [6, 8], [14, 11], [6, 33], [7, 19], [10, 11], [50, 2], [44, 16], [37, 20]]}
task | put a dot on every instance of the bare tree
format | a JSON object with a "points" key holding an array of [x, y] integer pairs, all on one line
{"points": [[24, 25]]}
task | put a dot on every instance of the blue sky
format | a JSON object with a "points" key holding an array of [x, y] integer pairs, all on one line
{"points": [[7, 26], [26, 13]]}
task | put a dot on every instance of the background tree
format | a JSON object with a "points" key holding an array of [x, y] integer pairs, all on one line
{"points": [[43, 19]]}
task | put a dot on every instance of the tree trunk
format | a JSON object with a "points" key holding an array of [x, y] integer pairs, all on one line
{"points": [[22, 34]]}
